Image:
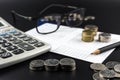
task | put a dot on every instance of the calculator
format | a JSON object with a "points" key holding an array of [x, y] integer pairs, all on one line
{"points": [[16, 46]]}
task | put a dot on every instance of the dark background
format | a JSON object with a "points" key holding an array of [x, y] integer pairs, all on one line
{"points": [[107, 12], [107, 18]]}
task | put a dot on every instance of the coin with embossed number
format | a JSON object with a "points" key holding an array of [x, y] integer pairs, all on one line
{"points": [[36, 65], [97, 66], [96, 76], [111, 64], [107, 73], [51, 64], [117, 68]]}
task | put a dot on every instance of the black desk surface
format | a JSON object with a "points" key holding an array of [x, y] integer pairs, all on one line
{"points": [[107, 17]]}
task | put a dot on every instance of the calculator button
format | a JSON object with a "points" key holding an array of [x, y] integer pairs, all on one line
{"points": [[7, 36], [33, 41], [26, 46], [5, 55], [10, 48], [12, 39], [13, 31], [2, 41], [2, 51], [17, 33], [39, 44], [22, 36], [6, 44], [27, 38], [17, 41], [18, 51]]}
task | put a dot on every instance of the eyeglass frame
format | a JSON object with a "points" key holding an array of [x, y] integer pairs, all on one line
{"points": [[57, 21]]}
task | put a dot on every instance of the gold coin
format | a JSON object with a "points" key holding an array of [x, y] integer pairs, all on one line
{"points": [[88, 35]]}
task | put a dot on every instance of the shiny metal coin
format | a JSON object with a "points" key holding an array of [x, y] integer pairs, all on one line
{"points": [[51, 64], [97, 77], [117, 68], [67, 64], [104, 37], [111, 64], [36, 65], [97, 66], [93, 28], [107, 73], [87, 35]]}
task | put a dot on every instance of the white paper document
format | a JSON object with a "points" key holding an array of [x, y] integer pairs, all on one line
{"points": [[67, 41]]}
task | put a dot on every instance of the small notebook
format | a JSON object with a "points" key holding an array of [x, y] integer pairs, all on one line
{"points": [[67, 41]]}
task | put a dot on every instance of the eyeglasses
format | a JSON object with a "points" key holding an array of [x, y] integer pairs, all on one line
{"points": [[74, 17]]}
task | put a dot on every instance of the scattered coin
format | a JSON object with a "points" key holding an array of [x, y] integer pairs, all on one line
{"points": [[51, 64], [36, 65], [107, 73], [117, 68], [67, 64], [97, 66], [96, 76], [111, 64]]}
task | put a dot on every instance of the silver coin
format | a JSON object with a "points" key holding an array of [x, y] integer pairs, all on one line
{"points": [[67, 64], [117, 68], [36, 65], [98, 66], [107, 73], [97, 77], [51, 64], [111, 64]]}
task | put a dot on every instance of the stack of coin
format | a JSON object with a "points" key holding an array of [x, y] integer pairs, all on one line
{"points": [[93, 28], [88, 35], [104, 37], [36, 65], [105, 72], [67, 64], [51, 64]]}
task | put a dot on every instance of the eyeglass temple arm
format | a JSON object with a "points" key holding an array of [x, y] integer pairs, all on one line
{"points": [[34, 18]]}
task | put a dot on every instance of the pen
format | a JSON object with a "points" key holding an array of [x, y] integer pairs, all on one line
{"points": [[106, 48]]}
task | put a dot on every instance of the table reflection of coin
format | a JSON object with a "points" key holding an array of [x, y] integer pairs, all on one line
{"points": [[117, 68], [107, 73], [97, 66], [67, 64], [96, 76], [111, 64], [36, 65], [51, 64]]}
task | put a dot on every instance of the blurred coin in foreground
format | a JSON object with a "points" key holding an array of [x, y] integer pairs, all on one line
{"points": [[36, 65], [51, 64], [111, 64], [67, 64], [97, 66]]}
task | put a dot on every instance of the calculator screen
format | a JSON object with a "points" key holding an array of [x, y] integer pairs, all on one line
{"points": [[1, 24]]}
